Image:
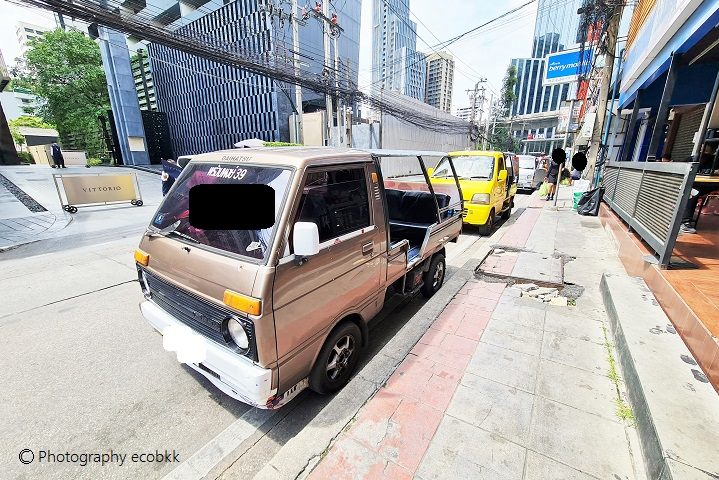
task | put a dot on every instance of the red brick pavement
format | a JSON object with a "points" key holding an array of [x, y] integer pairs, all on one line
{"points": [[393, 430]]}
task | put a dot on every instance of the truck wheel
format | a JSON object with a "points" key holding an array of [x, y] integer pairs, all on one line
{"points": [[486, 229], [508, 212], [337, 359], [434, 277]]}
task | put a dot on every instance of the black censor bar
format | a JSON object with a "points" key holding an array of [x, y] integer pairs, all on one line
{"points": [[232, 206]]}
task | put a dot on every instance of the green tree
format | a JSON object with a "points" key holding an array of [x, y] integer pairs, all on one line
{"points": [[65, 68], [25, 121], [508, 95]]}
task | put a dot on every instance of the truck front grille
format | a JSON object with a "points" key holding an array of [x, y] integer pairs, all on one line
{"points": [[198, 314]]}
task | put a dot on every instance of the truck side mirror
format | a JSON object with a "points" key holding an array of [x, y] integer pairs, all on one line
{"points": [[502, 175], [306, 239]]}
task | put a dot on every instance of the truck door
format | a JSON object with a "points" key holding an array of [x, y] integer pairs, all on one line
{"points": [[342, 277], [500, 188]]}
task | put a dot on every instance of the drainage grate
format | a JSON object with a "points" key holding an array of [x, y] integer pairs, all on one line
{"points": [[18, 193]]}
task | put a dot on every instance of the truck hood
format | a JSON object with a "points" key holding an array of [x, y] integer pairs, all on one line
{"points": [[193, 268], [469, 187]]}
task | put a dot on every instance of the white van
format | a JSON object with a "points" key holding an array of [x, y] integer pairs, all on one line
{"points": [[527, 173]]}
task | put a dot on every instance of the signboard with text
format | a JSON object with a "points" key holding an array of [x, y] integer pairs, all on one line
{"points": [[92, 189], [566, 66]]}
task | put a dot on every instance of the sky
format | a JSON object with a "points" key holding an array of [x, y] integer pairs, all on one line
{"points": [[10, 15], [486, 54]]}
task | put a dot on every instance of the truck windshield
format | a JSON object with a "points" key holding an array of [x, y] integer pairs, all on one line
{"points": [[526, 161], [467, 166], [172, 218]]}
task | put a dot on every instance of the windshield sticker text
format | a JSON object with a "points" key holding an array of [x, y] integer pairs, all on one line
{"points": [[235, 173]]}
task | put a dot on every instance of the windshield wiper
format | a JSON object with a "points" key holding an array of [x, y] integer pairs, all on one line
{"points": [[169, 230], [152, 231]]}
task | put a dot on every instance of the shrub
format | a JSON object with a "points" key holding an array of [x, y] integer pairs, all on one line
{"points": [[25, 157], [94, 162]]}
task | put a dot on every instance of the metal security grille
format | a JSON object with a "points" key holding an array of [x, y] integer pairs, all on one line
{"points": [[689, 124], [651, 198], [198, 314]]}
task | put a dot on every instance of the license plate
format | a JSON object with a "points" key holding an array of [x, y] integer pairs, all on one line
{"points": [[189, 346]]}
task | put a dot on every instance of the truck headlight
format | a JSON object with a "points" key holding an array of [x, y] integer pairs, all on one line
{"points": [[481, 198], [237, 333]]}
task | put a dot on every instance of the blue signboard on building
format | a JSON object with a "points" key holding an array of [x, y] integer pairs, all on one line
{"points": [[565, 66]]}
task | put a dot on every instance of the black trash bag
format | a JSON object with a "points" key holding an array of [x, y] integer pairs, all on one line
{"points": [[589, 204]]}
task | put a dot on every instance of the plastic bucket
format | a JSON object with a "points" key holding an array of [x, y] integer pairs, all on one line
{"points": [[577, 197]]}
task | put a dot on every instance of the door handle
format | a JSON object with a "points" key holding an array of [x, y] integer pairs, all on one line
{"points": [[367, 248]]}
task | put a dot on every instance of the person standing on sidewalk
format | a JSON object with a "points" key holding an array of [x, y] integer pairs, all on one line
{"points": [[558, 157], [57, 157]]}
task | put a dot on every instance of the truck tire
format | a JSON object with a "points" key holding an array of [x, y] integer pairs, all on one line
{"points": [[434, 277], [486, 229], [508, 212], [337, 359]]}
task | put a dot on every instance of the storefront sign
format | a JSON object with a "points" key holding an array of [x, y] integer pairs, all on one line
{"points": [[86, 189], [565, 66]]}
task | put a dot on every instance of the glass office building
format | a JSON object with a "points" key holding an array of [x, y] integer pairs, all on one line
{"points": [[212, 106], [556, 29], [396, 63]]}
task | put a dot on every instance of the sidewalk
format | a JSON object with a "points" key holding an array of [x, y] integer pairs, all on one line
{"points": [[503, 386], [30, 210]]}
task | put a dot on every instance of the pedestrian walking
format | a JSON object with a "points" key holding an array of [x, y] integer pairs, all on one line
{"points": [[558, 157], [57, 157]]}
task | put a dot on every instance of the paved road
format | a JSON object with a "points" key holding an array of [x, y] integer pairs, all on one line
{"points": [[81, 371]]}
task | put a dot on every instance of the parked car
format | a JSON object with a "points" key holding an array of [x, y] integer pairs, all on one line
{"points": [[487, 189], [528, 165], [266, 313]]}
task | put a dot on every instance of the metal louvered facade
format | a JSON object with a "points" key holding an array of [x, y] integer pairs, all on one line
{"points": [[211, 106], [651, 198]]}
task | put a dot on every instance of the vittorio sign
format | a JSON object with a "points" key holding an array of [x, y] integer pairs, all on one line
{"points": [[566, 66]]}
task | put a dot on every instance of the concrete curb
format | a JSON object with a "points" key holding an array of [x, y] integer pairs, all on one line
{"points": [[675, 413], [300, 455]]}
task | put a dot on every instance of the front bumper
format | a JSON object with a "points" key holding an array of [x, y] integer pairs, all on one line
{"points": [[475, 214], [235, 375]]}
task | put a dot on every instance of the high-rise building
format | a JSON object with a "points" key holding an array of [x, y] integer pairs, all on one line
{"points": [[440, 81], [27, 32], [396, 64], [142, 73], [536, 109], [212, 106], [465, 113]]}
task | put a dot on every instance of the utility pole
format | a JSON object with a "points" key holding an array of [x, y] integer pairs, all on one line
{"points": [[486, 126], [607, 72], [326, 47], [299, 130], [474, 97]]}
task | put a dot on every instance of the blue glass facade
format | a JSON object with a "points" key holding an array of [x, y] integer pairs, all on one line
{"points": [[211, 106], [556, 29], [396, 63]]}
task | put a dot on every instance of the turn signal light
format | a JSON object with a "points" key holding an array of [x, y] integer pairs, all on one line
{"points": [[142, 258], [242, 303]]}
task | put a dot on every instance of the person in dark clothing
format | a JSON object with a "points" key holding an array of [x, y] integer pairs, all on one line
{"points": [[57, 157], [559, 156], [168, 180]]}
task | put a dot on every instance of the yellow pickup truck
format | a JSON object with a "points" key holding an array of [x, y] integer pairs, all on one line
{"points": [[488, 185]]}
